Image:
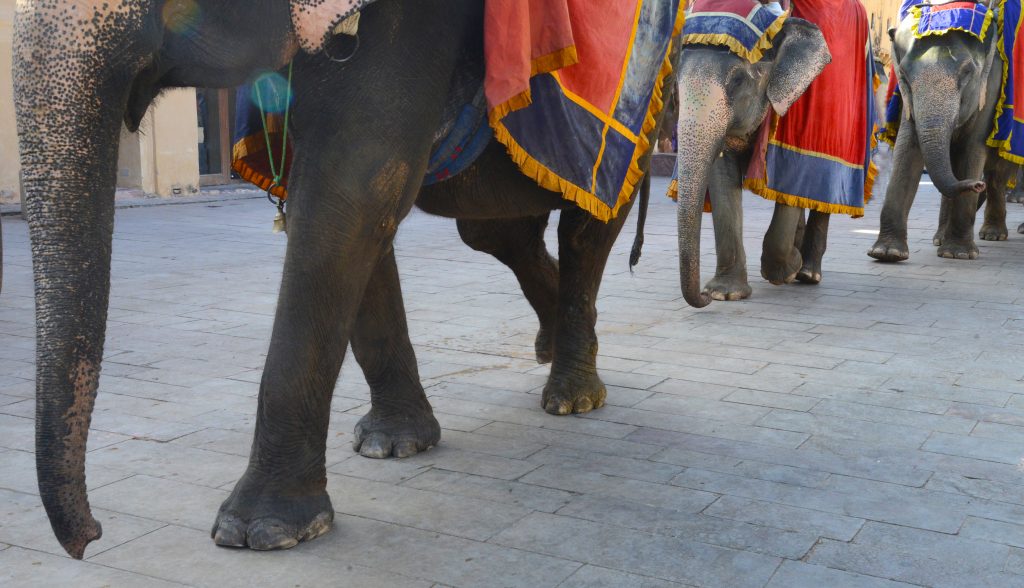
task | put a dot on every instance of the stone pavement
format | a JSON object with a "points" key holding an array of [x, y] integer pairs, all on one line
{"points": [[865, 432]]}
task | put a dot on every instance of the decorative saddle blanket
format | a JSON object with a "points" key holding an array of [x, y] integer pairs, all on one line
{"points": [[819, 154], [974, 19], [938, 19], [582, 123], [573, 88], [745, 27]]}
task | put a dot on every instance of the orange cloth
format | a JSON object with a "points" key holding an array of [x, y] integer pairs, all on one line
{"points": [[524, 38]]}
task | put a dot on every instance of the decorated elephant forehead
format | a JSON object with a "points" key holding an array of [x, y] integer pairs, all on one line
{"points": [[932, 18], [313, 20], [746, 27]]}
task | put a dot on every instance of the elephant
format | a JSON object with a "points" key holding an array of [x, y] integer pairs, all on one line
{"points": [[724, 99], [950, 86], [362, 133]]}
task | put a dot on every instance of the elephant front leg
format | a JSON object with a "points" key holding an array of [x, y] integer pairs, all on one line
{"points": [[400, 422], [780, 259], [583, 244], [730, 281], [519, 244], [958, 239], [907, 167], [812, 249]]}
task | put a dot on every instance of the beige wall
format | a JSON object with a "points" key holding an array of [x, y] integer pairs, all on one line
{"points": [[163, 159], [9, 191]]}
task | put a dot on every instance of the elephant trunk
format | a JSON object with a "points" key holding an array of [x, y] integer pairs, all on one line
{"points": [[703, 122], [935, 133], [69, 98]]}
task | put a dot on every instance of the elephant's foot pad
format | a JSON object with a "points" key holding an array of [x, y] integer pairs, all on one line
{"points": [[574, 395], [728, 288], [993, 232], [809, 275], [779, 271], [889, 250], [958, 250], [382, 434], [269, 522]]}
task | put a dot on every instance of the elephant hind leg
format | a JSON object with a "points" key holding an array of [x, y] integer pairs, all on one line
{"points": [[994, 228], [583, 248], [519, 244], [813, 247], [780, 259]]}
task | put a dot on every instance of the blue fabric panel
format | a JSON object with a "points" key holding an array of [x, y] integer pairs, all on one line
{"points": [[544, 132], [657, 18], [815, 178], [618, 154]]}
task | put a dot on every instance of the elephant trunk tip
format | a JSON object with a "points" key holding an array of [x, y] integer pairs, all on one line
{"points": [[699, 300], [975, 186], [74, 538]]}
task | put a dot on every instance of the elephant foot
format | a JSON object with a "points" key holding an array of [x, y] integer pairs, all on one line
{"points": [[544, 345], [889, 249], [937, 237], [404, 433], [958, 250], [809, 275], [264, 520], [782, 271], [1015, 196], [576, 394], [728, 288], [1020, 229], [993, 232]]}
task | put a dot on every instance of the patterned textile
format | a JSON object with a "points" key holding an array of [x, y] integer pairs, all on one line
{"points": [[818, 156], [938, 19], [249, 154], [1008, 129], [746, 27], [585, 126]]}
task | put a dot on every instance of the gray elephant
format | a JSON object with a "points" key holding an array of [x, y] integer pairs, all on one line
{"points": [[950, 82], [724, 99], [363, 131]]}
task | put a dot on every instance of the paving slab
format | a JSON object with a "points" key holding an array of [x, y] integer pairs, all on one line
{"points": [[865, 432]]}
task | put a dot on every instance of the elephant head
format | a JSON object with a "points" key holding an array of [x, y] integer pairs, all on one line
{"points": [[723, 99], [947, 83], [80, 68]]}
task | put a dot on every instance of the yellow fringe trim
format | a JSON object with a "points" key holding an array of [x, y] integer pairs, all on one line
{"points": [[761, 188], [588, 201], [541, 65], [256, 178], [556, 60], [754, 54], [1002, 147], [915, 19]]}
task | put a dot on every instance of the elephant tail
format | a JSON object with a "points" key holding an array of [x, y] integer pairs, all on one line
{"points": [[641, 220]]}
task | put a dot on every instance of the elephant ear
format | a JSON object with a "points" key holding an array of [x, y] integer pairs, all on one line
{"points": [[313, 20], [800, 55]]}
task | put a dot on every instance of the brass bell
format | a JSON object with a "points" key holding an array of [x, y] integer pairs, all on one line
{"points": [[279, 221]]}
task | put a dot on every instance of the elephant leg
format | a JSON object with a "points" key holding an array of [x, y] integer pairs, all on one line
{"points": [[725, 187], [519, 244], [812, 248], [961, 211], [940, 231], [359, 162], [994, 227], [780, 259], [583, 244], [907, 167], [400, 422]]}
